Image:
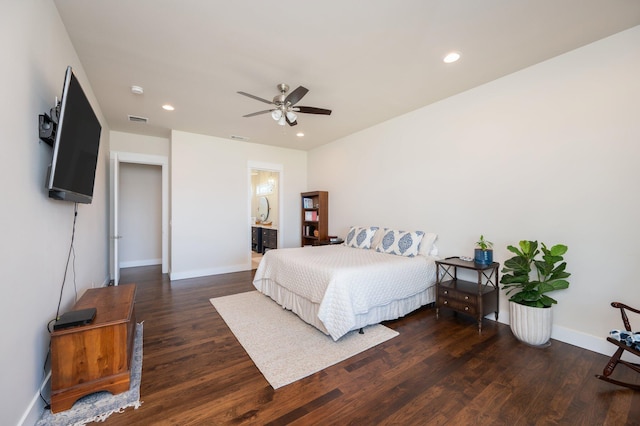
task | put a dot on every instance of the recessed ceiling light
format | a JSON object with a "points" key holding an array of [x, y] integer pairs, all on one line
{"points": [[299, 134], [451, 57], [137, 90], [168, 107]]}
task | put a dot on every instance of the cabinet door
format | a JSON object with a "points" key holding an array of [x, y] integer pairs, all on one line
{"points": [[256, 239], [270, 238]]}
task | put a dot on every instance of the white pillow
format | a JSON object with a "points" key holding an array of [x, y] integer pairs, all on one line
{"points": [[378, 237], [360, 237], [427, 247], [402, 243]]}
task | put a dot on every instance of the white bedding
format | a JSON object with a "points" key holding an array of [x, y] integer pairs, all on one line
{"points": [[347, 284]]}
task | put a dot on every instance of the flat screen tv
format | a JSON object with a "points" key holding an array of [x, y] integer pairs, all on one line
{"points": [[75, 147]]}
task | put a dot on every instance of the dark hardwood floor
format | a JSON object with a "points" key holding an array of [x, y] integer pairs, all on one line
{"points": [[435, 372]]}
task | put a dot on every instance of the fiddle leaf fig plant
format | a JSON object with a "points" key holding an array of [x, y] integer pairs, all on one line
{"points": [[528, 277]]}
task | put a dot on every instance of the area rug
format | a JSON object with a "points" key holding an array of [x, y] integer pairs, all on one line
{"points": [[97, 406], [282, 346]]}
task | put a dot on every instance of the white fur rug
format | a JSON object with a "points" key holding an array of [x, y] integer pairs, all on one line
{"points": [[283, 347]]}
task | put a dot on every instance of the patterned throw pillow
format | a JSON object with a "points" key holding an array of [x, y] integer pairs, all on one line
{"points": [[632, 339], [401, 243], [360, 237]]}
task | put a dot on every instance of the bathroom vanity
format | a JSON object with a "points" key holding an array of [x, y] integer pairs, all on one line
{"points": [[263, 238]]}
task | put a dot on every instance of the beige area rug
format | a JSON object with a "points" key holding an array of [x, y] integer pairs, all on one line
{"points": [[283, 347]]}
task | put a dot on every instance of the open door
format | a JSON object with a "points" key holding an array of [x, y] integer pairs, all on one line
{"points": [[114, 260]]}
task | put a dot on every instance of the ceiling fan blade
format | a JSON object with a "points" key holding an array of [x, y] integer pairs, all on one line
{"points": [[295, 96], [312, 110], [291, 123], [258, 113], [255, 97]]}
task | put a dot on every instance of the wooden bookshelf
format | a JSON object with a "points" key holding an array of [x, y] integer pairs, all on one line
{"points": [[315, 217]]}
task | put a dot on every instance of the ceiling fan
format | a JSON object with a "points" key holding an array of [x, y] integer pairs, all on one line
{"points": [[285, 109]]}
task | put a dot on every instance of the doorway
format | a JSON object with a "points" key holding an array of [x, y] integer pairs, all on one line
{"points": [[115, 160], [140, 215], [265, 186]]}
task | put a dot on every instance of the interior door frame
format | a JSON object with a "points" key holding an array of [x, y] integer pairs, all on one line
{"points": [[115, 158], [269, 167]]}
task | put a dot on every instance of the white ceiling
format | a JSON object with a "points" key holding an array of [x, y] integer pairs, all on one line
{"points": [[367, 60]]}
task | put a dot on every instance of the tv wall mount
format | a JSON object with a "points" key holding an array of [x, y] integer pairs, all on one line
{"points": [[48, 124]]}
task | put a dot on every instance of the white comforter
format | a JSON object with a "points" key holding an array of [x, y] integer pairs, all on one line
{"points": [[345, 281]]}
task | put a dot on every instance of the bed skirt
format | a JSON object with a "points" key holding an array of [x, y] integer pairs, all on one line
{"points": [[308, 310]]}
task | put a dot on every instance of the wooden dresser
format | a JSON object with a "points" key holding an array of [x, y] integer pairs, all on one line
{"points": [[94, 357]]}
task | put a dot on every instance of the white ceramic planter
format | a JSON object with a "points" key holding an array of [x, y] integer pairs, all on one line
{"points": [[531, 325]]}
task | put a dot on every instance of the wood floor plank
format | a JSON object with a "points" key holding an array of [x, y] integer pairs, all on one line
{"points": [[437, 371]]}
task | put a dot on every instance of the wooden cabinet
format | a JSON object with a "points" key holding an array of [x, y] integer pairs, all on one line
{"points": [[315, 217], [472, 298], [256, 239], [263, 239], [269, 239], [94, 357]]}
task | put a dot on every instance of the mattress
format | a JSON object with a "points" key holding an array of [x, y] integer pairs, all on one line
{"points": [[338, 288]]}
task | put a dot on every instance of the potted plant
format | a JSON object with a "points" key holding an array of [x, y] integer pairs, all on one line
{"points": [[483, 253], [527, 278]]}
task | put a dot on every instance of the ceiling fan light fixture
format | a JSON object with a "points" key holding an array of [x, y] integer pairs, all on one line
{"points": [[283, 107], [292, 116]]}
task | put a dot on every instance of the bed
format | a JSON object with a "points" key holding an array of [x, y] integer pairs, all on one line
{"points": [[339, 288]]}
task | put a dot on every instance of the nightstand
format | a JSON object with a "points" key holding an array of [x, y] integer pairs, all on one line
{"points": [[472, 298]]}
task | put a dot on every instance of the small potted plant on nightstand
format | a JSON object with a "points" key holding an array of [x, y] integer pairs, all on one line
{"points": [[483, 253], [527, 279]]}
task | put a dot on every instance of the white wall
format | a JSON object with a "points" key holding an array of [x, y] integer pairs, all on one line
{"points": [[139, 144], [548, 153], [211, 208], [37, 230], [140, 215]]}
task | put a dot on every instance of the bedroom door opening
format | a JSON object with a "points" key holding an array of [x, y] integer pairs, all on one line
{"points": [[265, 186], [115, 159]]}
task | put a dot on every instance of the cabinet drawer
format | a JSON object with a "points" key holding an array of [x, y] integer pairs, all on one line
{"points": [[460, 306], [451, 293]]}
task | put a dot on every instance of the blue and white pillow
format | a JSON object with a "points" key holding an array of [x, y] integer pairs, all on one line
{"points": [[360, 237], [401, 243]]}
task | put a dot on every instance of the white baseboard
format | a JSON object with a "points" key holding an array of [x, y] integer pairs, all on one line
{"points": [[210, 271], [36, 407], [143, 262]]}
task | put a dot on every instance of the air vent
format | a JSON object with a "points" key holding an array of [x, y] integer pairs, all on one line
{"points": [[239, 138], [136, 119]]}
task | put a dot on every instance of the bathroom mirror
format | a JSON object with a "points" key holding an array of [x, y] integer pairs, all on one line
{"points": [[263, 209]]}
